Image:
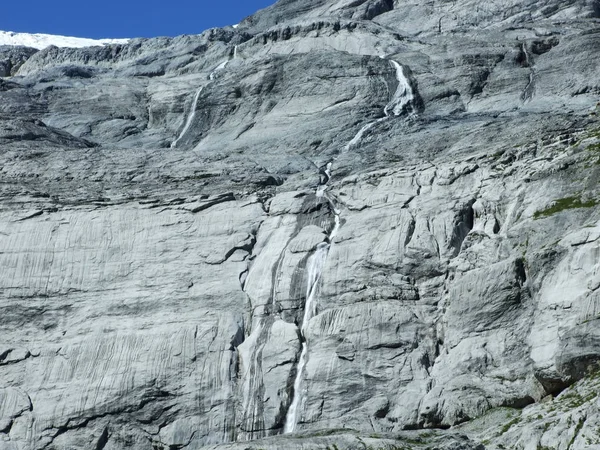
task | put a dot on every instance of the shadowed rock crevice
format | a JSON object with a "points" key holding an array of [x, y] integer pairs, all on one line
{"points": [[462, 227], [102, 440]]}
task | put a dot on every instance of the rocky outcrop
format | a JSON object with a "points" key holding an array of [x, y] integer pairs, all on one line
{"points": [[12, 58], [168, 206]]}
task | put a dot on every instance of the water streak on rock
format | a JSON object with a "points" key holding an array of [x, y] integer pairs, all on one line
{"points": [[190, 118], [401, 101], [314, 268]]}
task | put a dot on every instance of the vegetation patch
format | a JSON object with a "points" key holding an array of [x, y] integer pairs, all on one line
{"points": [[574, 399], [564, 204], [576, 433], [594, 148], [507, 427], [594, 151]]}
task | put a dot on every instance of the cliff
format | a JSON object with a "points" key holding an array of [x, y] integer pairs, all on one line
{"points": [[342, 224]]}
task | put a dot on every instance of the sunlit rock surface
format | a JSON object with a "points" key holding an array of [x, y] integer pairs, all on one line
{"points": [[161, 202]]}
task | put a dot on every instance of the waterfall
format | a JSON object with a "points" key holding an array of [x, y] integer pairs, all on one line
{"points": [[221, 66], [314, 269], [217, 69], [399, 103], [403, 96], [401, 100], [357, 138], [190, 118], [292, 415], [530, 88], [192, 114], [526, 54]]}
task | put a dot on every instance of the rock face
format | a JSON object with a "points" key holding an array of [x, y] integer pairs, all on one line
{"points": [[12, 58], [425, 173]]}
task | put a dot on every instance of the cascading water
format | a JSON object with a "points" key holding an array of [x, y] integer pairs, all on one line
{"points": [[221, 66], [356, 139], [402, 99], [314, 268], [404, 95]]}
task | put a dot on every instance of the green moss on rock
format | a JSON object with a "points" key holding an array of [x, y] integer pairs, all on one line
{"points": [[564, 204]]}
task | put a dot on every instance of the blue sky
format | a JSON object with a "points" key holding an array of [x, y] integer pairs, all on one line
{"points": [[123, 18]]}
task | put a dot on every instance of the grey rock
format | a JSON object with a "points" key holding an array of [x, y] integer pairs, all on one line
{"points": [[12, 58], [160, 203]]}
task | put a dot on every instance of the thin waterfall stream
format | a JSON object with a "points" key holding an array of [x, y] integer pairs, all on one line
{"points": [[192, 113], [314, 268], [402, 99], [190, 118]]}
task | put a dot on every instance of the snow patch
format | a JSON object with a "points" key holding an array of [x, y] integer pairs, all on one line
{"points": [[41, 41]]}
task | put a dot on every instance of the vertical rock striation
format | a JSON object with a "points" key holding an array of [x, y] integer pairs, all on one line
{"points": [[368, 224]]}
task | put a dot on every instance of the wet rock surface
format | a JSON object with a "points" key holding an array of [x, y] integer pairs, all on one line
{"points": [[161, 204]]}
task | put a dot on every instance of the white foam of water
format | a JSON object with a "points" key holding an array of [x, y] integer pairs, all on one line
{"points": [[328, 170], [217, 69], [402, 98], [221, 66], [358, 137], [404, 94], [291, 418]]}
